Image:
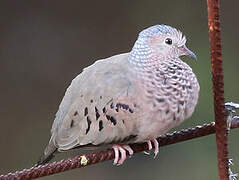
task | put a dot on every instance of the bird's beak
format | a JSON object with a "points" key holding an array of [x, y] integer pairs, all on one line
{"points": [[187, 52]]}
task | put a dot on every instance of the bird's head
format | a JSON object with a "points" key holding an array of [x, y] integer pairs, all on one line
{"points": [[164, 41]]}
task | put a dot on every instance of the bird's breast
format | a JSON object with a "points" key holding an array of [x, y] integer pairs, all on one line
{"points": [[170, 95]]}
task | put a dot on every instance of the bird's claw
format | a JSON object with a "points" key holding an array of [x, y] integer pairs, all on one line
{"points": [[120, 153], [155, 145], [146, 152]]}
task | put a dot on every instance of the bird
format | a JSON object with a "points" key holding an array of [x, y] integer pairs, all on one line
{"points": [[132, 97]]}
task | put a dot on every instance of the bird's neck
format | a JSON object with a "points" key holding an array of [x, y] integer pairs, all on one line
{"points": [[142, 57]]}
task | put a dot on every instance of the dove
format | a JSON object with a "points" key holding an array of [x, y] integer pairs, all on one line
{"points": [[133, 97]]}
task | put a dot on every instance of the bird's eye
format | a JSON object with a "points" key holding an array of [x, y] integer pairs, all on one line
{"points": [[168, 41]]}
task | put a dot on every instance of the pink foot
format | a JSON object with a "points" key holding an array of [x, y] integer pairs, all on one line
{"points": [[156, 146], [120, 153]]}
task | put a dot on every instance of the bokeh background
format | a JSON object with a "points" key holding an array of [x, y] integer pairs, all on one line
{"points": [[45, 44]]}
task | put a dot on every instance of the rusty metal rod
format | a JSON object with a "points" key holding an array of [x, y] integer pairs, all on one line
{"points": [[218, 89], [93, 158]]}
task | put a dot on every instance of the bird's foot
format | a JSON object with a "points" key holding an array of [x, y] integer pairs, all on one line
{"points": [[150, 147], [120, 153]]}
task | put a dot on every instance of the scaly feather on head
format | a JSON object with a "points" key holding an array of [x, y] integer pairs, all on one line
{"points": [[164, 31], [163, 41]]}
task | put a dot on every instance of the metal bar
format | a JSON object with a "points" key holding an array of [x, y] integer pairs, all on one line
{"points": [[218, 89], [89, 159]]}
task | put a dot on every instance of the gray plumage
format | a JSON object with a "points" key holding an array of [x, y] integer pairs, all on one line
{"points": [[131, 97]]}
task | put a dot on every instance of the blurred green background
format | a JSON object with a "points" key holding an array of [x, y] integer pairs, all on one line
{"points": [[45, 44]]}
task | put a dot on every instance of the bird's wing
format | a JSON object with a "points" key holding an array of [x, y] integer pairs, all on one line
{"points": [[97, 106]]}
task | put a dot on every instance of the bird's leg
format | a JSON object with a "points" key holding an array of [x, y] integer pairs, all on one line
{"points": [[156, 146], [120, 153]]}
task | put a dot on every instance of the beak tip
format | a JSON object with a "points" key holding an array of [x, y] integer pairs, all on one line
{"points": [[189, 53], [194, 56]]}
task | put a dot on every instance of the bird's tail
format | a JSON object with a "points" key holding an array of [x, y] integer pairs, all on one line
{"points": [[47, 155]]}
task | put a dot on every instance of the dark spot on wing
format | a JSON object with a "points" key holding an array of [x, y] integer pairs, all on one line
{"points": [[119, 105], [89, 123], [123, 106], [86, 111], [123, 121], [100, 125], [91, 100], [76, 113], [97, 114], [72, 123], [104, 110], [111, 119], [81, 95], [108, 117], [112, 105], [100, 97]]}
